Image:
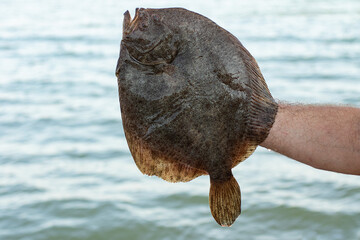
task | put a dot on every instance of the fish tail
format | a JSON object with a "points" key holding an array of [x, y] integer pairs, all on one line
{"points": [[225, 201]]}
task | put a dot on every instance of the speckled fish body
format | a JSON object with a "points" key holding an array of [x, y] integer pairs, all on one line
{"points": [[193, 101]]}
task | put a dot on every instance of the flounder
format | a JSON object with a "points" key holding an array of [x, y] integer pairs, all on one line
{"points": [[193, 101]]}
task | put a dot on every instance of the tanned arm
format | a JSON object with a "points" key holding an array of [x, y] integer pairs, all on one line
{"points": [[324, 137]]}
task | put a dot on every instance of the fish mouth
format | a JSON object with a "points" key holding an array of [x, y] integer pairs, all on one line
{"points": [[137, 40], [126, 23], [130, 24]]}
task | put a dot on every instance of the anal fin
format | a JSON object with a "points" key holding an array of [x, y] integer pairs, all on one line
{"points": [[159, 165]]}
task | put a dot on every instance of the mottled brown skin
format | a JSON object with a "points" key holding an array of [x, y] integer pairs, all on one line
{"points": [[193, 101]]}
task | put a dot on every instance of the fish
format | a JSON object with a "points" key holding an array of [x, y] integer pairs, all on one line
{"points": [[193, 101]]}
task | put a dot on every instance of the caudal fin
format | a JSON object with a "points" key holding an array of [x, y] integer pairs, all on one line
{"points": [[225, 201]]}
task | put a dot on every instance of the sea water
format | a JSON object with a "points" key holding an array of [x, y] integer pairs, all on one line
{"points": [[66, 171]]}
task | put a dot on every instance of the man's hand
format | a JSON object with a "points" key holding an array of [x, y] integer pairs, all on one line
{"points": [[324, 137]]}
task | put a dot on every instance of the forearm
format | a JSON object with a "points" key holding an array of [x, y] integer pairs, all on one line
{"points": [[325, 137]]}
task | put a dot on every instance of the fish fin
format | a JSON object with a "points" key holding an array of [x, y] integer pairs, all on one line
{"points": [[242, 152], [262, 108], [225, 201], [150, 163]]}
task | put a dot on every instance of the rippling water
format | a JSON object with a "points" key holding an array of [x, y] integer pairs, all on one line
{"points": [[65, 168]]}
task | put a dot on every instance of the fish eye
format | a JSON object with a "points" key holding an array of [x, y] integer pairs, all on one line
{"points": [[143, 26], [156, 18]]}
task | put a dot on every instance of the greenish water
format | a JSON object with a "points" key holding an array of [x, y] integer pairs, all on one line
{"points": [[65, 168]]}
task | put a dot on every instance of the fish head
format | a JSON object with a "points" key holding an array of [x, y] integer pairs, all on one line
{"points": [[148, 39]]}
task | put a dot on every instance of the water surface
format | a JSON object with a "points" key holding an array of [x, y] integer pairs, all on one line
{"points": [[65, 168]]}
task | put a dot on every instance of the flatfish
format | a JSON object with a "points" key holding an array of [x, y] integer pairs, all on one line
{"points": [[193, 101]]}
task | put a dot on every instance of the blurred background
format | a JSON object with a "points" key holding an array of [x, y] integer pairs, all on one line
{"points": [[65, 168]]}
